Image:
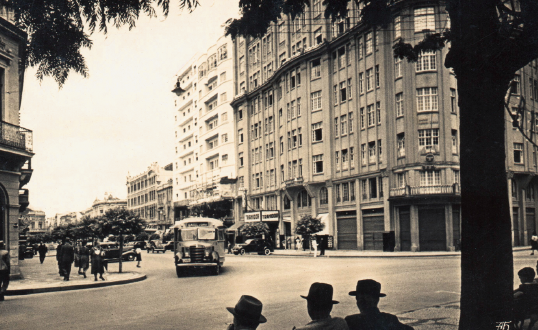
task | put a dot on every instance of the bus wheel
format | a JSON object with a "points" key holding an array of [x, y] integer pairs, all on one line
{"points": [[179, 272], [267, 251], [242, 251], [216, 271]]}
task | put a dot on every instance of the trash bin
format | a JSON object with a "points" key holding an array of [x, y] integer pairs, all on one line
{"points": [[389, 241]]}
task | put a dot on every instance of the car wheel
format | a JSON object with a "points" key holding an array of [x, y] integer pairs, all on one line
{"points": [[164, 251], [267, 251], [130, 257], [242, 251], [152, 250], [216, 271]]}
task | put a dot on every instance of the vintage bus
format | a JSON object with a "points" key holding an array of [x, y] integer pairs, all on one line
{"points": [[199, 243]]}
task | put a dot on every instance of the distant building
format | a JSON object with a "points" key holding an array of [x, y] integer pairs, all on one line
{"points": [[142, 193], [204, 132], [16, 142], [165, 205], [99, 207], [35, 221]]}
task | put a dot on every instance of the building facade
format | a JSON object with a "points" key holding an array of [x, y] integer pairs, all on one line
{"points": [[142, 193], [204, 132], [99, 207], [165, 204], [330, 125], [16, 142], [35, 220]]}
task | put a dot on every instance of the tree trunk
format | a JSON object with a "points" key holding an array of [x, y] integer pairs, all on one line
{"points": [[486, 251]]}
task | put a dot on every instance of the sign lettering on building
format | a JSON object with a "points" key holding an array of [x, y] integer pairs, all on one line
{"points": [[265, 216]]}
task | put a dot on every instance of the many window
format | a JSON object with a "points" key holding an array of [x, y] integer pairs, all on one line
{"points": [[371, 152], [317, 164], [369, 79], [455, 147], [350, 116], [427, 99], [378, 112], [397, 67], [424, 19], [317, 132], [515, 86], [371, 115], [361, 82], [400, 144], [362, 118], [316, 68], [430, 178], [397, 27], [316, 100], [363, 154], [518, 153], [369, 43], [377, 78], [428, 138], [426, 61], [453, 104], [399, 105], [343, 125], [343, 93]]}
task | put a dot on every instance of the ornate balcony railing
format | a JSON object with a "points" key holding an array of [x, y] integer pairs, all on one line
{"points": [[453, 189], [16, 136]]}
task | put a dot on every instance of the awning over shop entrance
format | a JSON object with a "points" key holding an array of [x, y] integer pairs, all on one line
{"points": [[324, 218], [235, 227]]}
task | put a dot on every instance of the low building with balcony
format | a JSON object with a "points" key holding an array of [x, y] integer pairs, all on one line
{"points": [[99, 207], [35, 221], [16, 142]]}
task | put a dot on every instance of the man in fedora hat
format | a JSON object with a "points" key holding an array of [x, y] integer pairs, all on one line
{"points": [[247, 314], [320, 304], [367, 294]]}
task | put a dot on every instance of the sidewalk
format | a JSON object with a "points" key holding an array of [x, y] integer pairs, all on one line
{"points": [[39, 278], [372, 254], [441, 317]]}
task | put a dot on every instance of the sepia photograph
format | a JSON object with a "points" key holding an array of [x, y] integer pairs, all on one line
{"points": [[269, 164]]}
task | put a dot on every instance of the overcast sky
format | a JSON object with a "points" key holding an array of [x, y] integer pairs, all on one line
{"points": [[91, 133]]}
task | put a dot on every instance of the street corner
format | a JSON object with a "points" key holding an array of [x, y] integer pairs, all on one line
{"points": [[25, 287], [444, 317]]}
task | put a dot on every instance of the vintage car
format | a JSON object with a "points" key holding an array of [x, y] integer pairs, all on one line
{"points": [[157, 246], [259, 245], [112, 252]]}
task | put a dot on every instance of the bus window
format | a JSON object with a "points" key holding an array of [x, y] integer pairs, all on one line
{"points": [[188, 234], [221, 235], [206, 233]]}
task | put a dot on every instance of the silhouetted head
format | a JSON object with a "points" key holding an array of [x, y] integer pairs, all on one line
{"points": [[247, 312], [526, 274], [367, 294]]}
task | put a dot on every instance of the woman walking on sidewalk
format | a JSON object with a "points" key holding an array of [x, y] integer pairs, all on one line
{"points": [[97, 262], [138, 251], [84, 256]]}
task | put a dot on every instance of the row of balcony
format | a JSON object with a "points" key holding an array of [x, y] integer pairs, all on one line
{"points": [[16, 136]]}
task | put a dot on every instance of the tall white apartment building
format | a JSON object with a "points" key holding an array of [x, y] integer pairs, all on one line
{"points": [[204, 161]]}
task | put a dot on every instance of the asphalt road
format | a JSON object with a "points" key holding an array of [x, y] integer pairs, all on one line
{"points": [[164, 301]]}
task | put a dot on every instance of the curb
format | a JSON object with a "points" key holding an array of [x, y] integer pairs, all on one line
{"points": [[139, 277], [366, 256]]}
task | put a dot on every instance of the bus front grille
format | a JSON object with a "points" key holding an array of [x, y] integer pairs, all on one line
{"points": [[197, 254]]}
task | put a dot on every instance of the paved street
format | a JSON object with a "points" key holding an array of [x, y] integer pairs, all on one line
{"points": [[164, 301]]}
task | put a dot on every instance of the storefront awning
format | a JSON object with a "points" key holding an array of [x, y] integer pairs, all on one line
{"points": [[235, 226], [324, 218]]}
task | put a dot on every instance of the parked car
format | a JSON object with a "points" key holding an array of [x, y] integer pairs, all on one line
{"points": [[169, 246], [259, 245], [112, 252]]}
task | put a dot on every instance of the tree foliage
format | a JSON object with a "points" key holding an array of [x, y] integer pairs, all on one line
{"points": [[308, 225], [59, 29], [254, 229], [120, 221]]}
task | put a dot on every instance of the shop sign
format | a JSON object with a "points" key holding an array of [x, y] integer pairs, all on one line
{"points": [[264, 216]]}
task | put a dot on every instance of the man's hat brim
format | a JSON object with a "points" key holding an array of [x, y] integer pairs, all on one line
{"points": [[354, 293], [332, 301], [232, 310]]}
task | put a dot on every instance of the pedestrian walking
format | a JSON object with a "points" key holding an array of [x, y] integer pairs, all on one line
{"points": [[42, 249], [367, 294], [5, 267], [297, 243], [68, 255], [322, 245], [84, 256], [59, 257], [247, 314], [138, 251], [97, 262], [534, 242], [319, 303], [314, 245], [77, 256]]}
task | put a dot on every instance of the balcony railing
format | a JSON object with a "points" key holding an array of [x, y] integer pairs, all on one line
{"points": [[453, 189], [16, 136]]}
